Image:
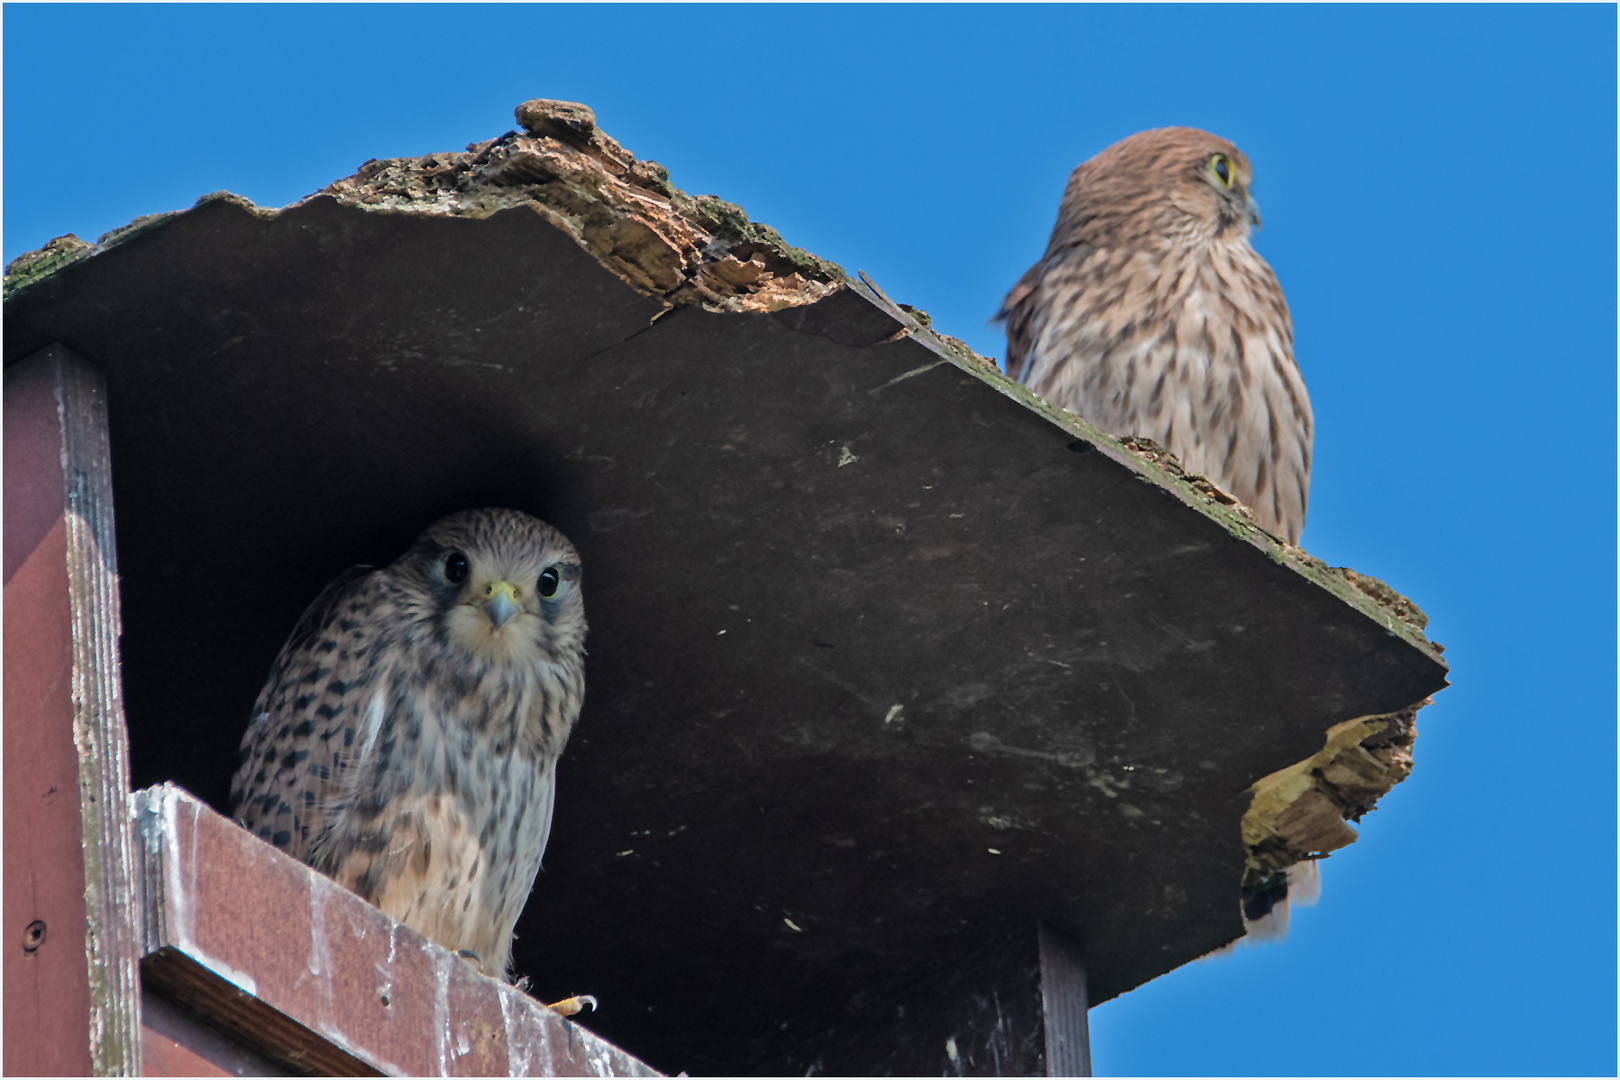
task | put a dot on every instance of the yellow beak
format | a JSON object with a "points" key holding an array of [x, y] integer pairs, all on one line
{"points": [[502, 600]]}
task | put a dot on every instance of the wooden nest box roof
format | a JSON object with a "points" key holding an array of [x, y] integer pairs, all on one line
{"points": [[887, 656]]}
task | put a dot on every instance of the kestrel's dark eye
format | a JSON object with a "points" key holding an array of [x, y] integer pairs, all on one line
{"points": [[1222, 169], [549, 580], [455, 568]]}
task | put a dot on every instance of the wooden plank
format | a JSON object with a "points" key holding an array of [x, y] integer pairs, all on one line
{"points": [[245, 1021], [174, 1042], [307, 974], [47, 988], [1015, 1007], [1065, 1005], [977, 1016], [67, 854], [99, 731]]}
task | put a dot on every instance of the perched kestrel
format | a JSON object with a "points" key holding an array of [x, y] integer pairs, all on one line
{"points": [[406, 743], [1150, 315]]}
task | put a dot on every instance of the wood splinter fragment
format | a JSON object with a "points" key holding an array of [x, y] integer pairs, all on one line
{"points": [[558, 119]]}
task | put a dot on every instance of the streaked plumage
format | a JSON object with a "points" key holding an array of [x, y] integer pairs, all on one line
{"points": [[406, 742], [1151, 315]]}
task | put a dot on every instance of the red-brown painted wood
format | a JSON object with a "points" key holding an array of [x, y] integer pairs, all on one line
{"points": [[294, 967], [72, 1000], [175, 1042], [47, 992]]}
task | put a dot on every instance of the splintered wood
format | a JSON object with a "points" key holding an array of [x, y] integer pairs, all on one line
{"points": [[1302, 811], [661, 241]]}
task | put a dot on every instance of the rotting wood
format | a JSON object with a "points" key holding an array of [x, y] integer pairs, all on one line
{"points": [[660, 240], [1302, 811], [54, 255]]}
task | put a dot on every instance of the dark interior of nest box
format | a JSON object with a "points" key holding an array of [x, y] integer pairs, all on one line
{"points": [[883, 664]]}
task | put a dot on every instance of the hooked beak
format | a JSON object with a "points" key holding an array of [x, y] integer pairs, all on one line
{"points": [[1254, 211], [501, 602]]}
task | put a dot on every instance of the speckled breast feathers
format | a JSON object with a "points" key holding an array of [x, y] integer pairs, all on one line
{"points": [[406, 741]]}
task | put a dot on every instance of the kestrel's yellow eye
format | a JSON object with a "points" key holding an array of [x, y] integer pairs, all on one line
{"points": [[549, 580], [1222, 169]]}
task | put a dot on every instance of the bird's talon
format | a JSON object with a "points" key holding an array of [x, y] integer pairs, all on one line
{"points": [[471, 957], [572, 1005]]}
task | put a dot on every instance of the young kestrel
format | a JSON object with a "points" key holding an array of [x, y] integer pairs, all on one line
{"points": [[406, 742], [1150, 315]]}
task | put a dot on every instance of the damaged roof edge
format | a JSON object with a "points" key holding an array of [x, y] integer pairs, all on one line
{"points": [[703, 251]]}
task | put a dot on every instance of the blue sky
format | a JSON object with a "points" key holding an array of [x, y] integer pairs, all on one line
{"points": [[1439, 194]]}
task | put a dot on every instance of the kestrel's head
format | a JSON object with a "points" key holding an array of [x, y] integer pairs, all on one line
{"points": [[501, 585], [1173, 183]]}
